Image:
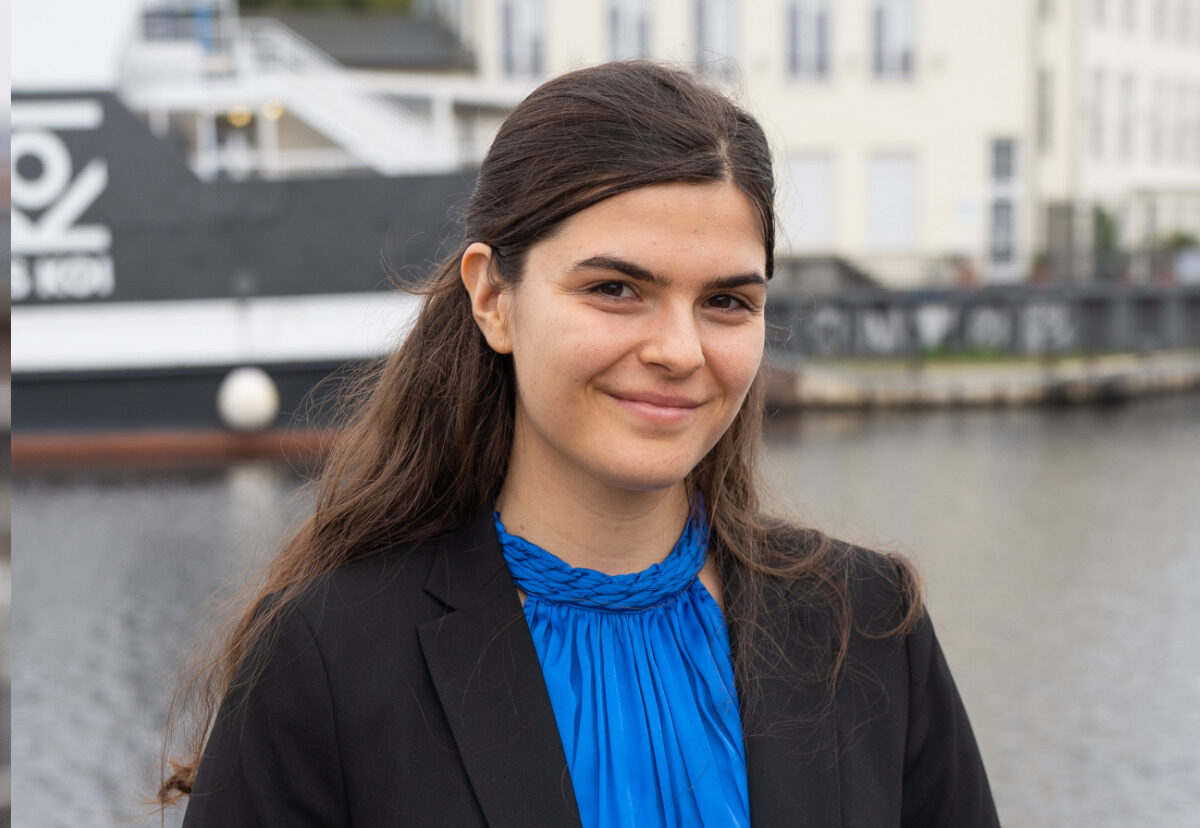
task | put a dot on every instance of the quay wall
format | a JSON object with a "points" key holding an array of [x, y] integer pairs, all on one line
{"points": [[1010, 320], [1000, 345]]}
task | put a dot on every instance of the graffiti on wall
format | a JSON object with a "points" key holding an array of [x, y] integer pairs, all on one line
{"points": [[835, 329]]}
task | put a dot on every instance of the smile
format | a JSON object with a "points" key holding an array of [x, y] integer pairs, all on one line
{"points": [[661, 409]]}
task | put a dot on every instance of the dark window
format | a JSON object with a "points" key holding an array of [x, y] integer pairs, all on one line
{"points": [[808, 38], [1045, 109], [508, 36], [1003, 161], [893, 38], [1002, 230]]}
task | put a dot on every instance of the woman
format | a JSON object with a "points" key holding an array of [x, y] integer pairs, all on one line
{"points": [[536, 587]]}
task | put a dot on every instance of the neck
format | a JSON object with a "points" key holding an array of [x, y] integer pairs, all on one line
{"points": [[590, 524]]}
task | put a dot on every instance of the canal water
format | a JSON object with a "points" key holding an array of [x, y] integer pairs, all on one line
{"points": [[1060, 550]]}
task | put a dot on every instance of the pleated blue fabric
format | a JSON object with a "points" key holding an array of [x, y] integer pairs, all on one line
{"points": [[640, 677]]}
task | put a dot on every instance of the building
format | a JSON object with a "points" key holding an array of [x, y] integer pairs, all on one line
{"points": [[194, 192], [924, 141], [1118, 129], [920, 142]]}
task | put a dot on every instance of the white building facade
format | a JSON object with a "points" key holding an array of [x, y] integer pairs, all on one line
{"points": [[918, 141], [923, 141]]}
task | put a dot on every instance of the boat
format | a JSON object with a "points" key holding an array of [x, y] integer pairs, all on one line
{"points": [[202, 248]]}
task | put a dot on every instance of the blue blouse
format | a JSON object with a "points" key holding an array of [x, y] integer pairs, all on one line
{"points": [[641, 681]]}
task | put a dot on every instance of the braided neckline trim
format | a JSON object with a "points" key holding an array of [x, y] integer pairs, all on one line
{"points": [[544, 576]]}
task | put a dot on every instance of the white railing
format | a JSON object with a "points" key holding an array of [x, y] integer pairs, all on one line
{"points": [[390, 122], [386, 135], [272, 64]]}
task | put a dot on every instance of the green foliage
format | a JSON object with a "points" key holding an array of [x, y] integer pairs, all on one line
{"points": [[1104, 230], [332, 6], [1179, 240]]}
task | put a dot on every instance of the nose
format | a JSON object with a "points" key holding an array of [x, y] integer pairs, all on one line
{"points": [[674, 341]]}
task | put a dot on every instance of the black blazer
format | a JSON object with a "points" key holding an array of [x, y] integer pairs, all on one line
{"points": [[405, 690]]}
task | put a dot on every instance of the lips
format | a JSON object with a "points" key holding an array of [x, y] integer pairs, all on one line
{"points": [[659, 400], [656, 409]]}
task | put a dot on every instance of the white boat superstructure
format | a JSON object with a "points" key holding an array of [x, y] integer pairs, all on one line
{"points": [[251, 97]]}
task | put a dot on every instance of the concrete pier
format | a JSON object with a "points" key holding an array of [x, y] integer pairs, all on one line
{"points": [[848, 383]]}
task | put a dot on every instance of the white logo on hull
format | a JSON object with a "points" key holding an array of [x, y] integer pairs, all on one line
{"points": [[53, 256]]}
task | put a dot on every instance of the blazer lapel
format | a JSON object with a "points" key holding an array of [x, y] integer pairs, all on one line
{"points": [[790, 731], [489, 681]]}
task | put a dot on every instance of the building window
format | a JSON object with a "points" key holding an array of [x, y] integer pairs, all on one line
{"points": [[628, 29], [1129, 16], [716, 36], [1196, 124], [893, 38], [1181, 124], [1160, 18], [1096, 111], [808, 203], [1004, 162], [1192, 123], [523, 35], [1099, 11], [1002, 234], [1125, 118], [1045, 109], [1046, 9], [1158, 105], [892, 202], [808, 38]]}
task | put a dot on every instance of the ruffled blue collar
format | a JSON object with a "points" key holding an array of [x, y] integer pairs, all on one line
{"points": [[548, 578]]}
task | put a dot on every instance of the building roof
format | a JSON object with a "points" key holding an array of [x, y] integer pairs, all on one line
{"points": [[381, 40]]}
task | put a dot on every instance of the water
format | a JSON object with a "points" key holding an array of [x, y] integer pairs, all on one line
{"points": [[113, 577], [1061, 552]]}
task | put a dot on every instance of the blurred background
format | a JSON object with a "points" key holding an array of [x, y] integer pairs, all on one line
{"points": [[984, 346]]}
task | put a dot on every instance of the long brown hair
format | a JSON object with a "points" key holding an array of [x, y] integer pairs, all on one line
{"points": [[429, 440]]}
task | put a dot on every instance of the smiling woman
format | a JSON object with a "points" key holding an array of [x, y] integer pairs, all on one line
{"points": [[634, 345], [536, 588]]}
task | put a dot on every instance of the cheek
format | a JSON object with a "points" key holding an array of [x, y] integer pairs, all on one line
{"points": [[735, 362], [574, 345], [554, 357]]}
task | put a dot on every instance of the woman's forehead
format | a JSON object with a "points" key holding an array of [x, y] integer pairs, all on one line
{"points": [[662, 226]]}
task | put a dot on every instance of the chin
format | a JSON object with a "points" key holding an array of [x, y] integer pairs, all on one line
{"points": [[650, 479]]}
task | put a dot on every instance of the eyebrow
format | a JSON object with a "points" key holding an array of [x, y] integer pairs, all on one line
{"points": [[640, 273]]}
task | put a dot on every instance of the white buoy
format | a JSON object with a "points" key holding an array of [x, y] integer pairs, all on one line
{"points": [[247, 400]]}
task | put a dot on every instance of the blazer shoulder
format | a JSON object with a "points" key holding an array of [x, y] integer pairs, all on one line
{"points": [[881, 590], [884, 589], [384, 590], [400, 569]]}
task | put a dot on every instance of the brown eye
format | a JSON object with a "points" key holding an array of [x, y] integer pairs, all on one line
{"points": [[725, 301], [616, 290]]}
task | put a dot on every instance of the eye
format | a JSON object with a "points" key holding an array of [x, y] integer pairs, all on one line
{"points": [[727, 301], [614, 290]]}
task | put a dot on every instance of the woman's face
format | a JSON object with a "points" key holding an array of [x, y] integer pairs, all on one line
{"points": [[635, 332]]}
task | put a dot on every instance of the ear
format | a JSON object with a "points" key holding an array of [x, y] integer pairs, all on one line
{"points": [[490, 304]]}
